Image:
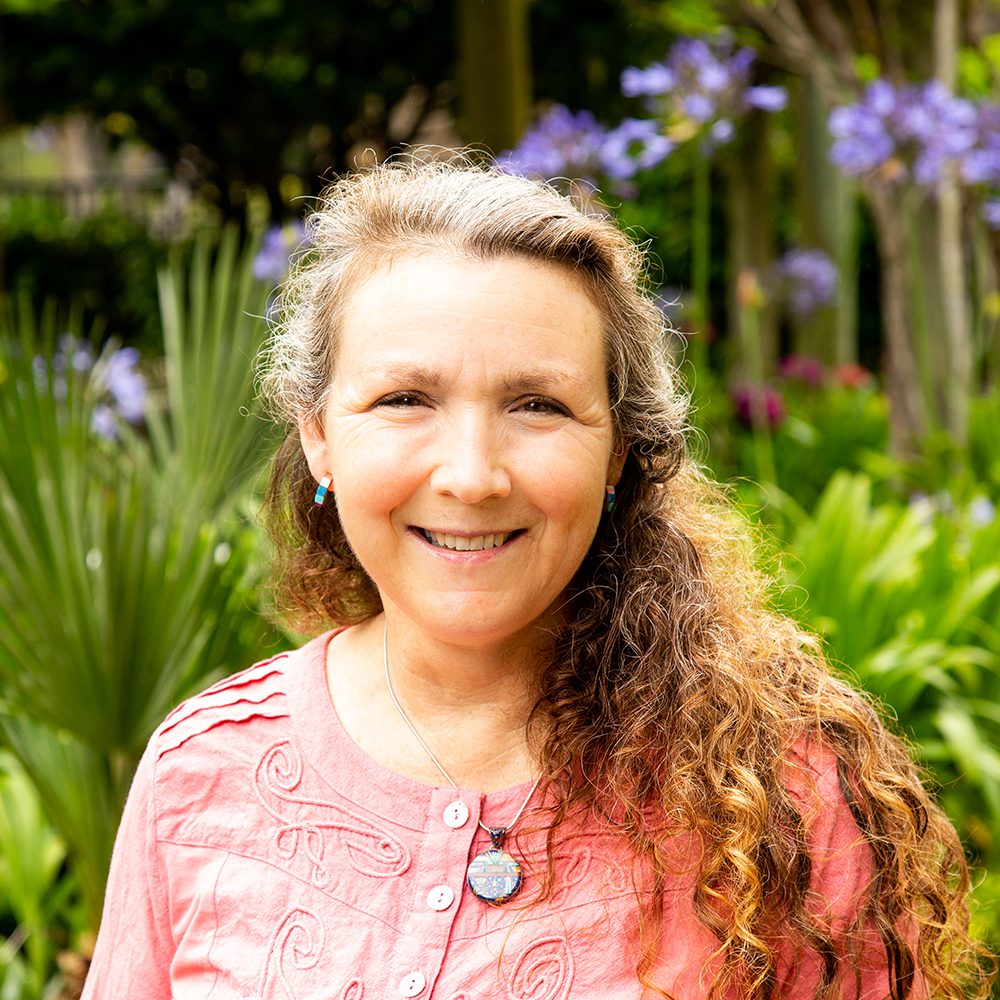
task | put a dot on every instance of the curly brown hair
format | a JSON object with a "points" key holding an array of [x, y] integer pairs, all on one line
{"points": [[670, 684]]}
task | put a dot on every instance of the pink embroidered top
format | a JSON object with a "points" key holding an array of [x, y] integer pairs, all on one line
{"points": [[262, 854]]}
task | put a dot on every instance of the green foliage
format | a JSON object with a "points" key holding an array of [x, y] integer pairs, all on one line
{"points": [[908, 601], [210, 434], [105, 263], [311, 81], [826, 428], [34, 891], [986, 913], [126, 571]]}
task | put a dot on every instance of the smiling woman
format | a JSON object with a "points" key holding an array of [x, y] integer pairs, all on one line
{"points": [[550, 742]]}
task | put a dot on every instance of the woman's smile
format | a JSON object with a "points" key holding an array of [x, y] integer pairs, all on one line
{"points": [[468, 542]]}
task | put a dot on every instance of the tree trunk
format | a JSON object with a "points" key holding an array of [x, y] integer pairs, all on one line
{"points": [[494, 71], [751, 212], [956, 373], [907, 422], [826, 213]]}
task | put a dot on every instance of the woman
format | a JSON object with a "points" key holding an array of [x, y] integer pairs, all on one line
{"points": [[557, 746]]}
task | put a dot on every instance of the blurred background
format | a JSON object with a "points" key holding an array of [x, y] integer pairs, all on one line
{"points": [[818, 182]]}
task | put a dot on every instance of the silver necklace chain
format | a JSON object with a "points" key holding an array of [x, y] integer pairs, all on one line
{"points": [[430, 753]]}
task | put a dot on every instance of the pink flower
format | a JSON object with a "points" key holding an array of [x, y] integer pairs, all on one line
{"points": [[852, 376], [755, 404], [800, 368]]}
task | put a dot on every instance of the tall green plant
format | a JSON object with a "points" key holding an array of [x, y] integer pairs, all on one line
{"points": [[210, 435], [909, 603], [125, 566]]}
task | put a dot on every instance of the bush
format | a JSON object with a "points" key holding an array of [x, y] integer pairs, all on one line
{"points": [[104, 265]]}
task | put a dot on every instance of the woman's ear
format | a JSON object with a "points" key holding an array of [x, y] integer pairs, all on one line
{"points": [[314, 446], [617, 462]]}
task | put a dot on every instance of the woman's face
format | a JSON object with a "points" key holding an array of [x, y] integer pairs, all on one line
{"points": [[469, 437]]}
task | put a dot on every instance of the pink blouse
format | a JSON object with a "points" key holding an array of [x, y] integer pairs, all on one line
{"points": [[262, 854]]}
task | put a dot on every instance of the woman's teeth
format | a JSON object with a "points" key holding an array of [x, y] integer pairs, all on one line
{"points": [[464, 543]]}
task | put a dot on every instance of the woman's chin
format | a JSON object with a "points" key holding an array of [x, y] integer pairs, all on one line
{"points": [[474, 624]]}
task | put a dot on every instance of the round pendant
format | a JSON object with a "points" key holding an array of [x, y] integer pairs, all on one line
{"points": [[494, 876]]}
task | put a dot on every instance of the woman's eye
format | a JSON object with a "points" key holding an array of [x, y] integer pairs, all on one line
{"points": [[402, 399], [543, 405]]}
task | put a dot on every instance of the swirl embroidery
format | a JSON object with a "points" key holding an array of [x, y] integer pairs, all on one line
{"points": [[297, 942], [370, 851], [573, 869], [354, 990], [543, 972]]}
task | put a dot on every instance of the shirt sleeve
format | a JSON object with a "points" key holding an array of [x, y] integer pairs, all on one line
{"points": [[134, 946]]}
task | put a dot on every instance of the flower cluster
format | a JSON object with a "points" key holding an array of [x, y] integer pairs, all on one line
{"points": [[120, 386], [559, 144], [701, 90], [806, 280], [919, 131], [981, 165], [576, 146], [280, 243], [803, 368], [923, 124], [698, 91], [762, 405], [813, 374]]}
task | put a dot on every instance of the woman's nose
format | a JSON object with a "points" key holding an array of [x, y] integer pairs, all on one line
{"points": [[471, 460]]}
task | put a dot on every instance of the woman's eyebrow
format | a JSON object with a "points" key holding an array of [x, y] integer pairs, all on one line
{"points": [[414, 375], [540, 379], [517, 381]]}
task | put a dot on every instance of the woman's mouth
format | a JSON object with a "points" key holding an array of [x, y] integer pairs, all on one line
{"points": [[468, 543]]}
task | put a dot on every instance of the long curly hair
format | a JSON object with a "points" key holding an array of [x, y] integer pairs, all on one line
{"points": [[672, 690]]}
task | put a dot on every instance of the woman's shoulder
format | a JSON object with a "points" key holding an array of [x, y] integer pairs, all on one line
{"points": [[239, 708]]}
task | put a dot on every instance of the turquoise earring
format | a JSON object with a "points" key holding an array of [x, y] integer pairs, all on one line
{"points": [[609, 502], [321, 490]]}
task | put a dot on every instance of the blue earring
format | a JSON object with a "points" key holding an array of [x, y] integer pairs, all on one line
{"points": [[321, 490], [609, 502]]}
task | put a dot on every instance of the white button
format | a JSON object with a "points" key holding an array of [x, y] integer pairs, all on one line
{"points": [[412, 984], [440, 897], [456, 814]]}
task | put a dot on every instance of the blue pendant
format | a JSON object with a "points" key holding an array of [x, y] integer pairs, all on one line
{"points": [[494, 876]]}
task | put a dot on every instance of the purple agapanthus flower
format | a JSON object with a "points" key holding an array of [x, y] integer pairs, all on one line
{"points": [[636, 144], [125, 384], [648, 82], [114, 377], [104, 422], [560, 144], [923, 127], [766, 98], [277, 248], [702, 84], [991, 213], [806, 279], [862, 140], [982, 511], [981, 164]]}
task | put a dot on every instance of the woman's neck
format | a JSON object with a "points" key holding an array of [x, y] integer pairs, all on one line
{"points": [[470, 704]]}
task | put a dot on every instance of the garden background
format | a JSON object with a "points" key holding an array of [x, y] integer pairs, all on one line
{"points": [[819, 182]]}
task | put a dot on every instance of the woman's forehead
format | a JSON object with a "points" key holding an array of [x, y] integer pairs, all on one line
{"points": [[522, 321]]}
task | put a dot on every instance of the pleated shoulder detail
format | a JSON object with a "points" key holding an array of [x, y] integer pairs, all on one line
{"points": [[257, 692]]}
